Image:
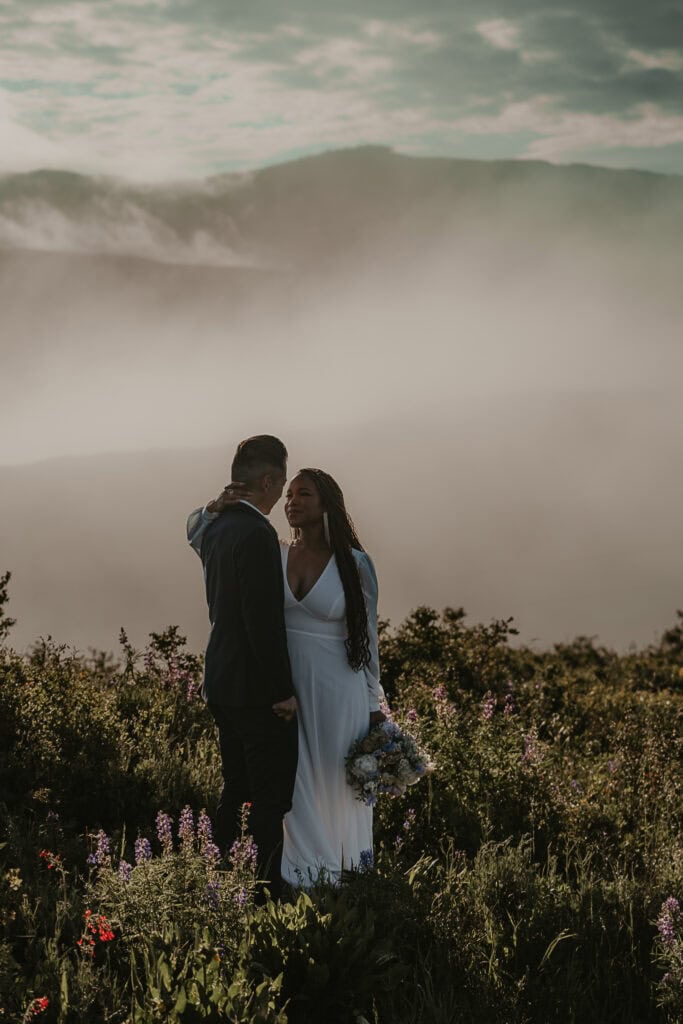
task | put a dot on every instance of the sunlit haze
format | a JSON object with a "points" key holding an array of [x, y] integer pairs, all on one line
{"points": [[378, 235]]}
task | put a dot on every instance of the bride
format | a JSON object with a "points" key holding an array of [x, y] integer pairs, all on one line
{"points": [[331, 620]]}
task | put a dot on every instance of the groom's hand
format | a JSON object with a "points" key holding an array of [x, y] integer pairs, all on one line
{"points": [[285, 708], [230, 495]]}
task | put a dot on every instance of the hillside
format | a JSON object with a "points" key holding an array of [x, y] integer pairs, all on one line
{"points": [[327, 207]]}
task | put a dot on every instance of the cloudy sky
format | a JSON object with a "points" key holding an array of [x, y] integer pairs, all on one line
{"points": [[162, 89]]}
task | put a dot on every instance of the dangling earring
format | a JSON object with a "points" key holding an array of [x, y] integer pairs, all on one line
{"points": [[326, 529]]}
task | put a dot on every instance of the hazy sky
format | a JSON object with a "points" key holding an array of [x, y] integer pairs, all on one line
{"points": [[177, 88]]}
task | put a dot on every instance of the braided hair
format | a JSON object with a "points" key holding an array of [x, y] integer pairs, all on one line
{"points": [[343, 540]]}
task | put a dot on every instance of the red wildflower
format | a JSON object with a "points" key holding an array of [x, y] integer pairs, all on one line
{"points": [[51, 859], [39, 1006]]}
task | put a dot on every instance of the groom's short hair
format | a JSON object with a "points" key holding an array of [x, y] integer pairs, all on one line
{"points": [[255, 456]]}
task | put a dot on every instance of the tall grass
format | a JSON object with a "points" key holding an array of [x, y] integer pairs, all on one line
{"points": [[537, 876]]}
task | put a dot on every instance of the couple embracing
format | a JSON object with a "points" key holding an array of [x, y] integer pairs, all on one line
{"points": [[291, 672]]}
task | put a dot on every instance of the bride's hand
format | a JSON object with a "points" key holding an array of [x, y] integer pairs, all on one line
{"points": [[230, 495]]}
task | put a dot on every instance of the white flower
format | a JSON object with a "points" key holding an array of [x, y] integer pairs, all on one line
{"points": [[365, 764]]}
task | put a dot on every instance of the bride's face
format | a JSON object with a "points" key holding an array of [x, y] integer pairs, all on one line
{"points": [[302, 502]]}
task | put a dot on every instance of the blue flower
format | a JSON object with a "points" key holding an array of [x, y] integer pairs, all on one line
{"points": [[366, 861], [143, 850]]}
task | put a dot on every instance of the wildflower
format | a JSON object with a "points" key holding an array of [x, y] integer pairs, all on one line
{"points": [[412, 715], [143, 850], [366, 860], [186, 826], [164, 823], [409, 819], [52, 816], [204, 829], [213, 889], [38, 1006], [241, 896], [509, 707], [211, 854], [488, 706], [669, 916], [104, 930], [125, 871], [440, 692], [52, 860], [101, 855], [243, 853]]}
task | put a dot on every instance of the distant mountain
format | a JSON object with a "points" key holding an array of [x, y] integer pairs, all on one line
{"points": [[320, 210]]}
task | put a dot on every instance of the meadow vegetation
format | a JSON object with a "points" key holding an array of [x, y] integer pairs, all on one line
{"points": [[536, 876]]}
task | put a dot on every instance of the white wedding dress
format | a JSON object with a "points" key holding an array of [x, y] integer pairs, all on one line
{"points": [[327, 828]]}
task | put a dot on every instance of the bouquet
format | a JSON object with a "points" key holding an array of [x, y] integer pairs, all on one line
{"points": [[387, 760]]}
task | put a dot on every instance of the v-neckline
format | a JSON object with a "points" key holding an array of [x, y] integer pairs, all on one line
{"points": [[300, 600]]}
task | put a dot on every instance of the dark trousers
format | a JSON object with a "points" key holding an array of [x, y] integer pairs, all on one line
{"points": [[259, 756]]}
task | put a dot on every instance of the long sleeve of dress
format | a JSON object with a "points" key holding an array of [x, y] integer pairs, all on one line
{"points": [[197, 522], [368, 578]]}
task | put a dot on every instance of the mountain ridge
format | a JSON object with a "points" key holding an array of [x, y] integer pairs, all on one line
{"points": [[305, 211]]}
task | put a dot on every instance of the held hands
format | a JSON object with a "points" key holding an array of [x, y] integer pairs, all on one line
{"points": [[285, 709], [376, 718], [230, 495]]}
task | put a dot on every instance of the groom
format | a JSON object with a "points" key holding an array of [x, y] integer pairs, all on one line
{"points": [[247, 676]]}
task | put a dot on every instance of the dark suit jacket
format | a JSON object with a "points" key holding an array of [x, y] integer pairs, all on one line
{"points": [[247, 664]]}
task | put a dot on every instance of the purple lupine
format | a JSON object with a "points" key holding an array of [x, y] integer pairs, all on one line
{"points": [[101, 855], [366, 860], [243, 853], [669, 916], [125, 870], [241, 897], [143, 850], [164, 823], [211, 853], [186, 826], [213, 889], [149, 662], [509, 707], [204, 829], [409, 819], [488, 706]]}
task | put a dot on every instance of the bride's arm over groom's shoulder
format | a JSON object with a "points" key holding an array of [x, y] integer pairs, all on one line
{"points": [[197, 522], [368, 578]]}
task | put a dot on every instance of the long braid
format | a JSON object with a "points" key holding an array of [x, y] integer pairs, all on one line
{"points": [[343, 539]]}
